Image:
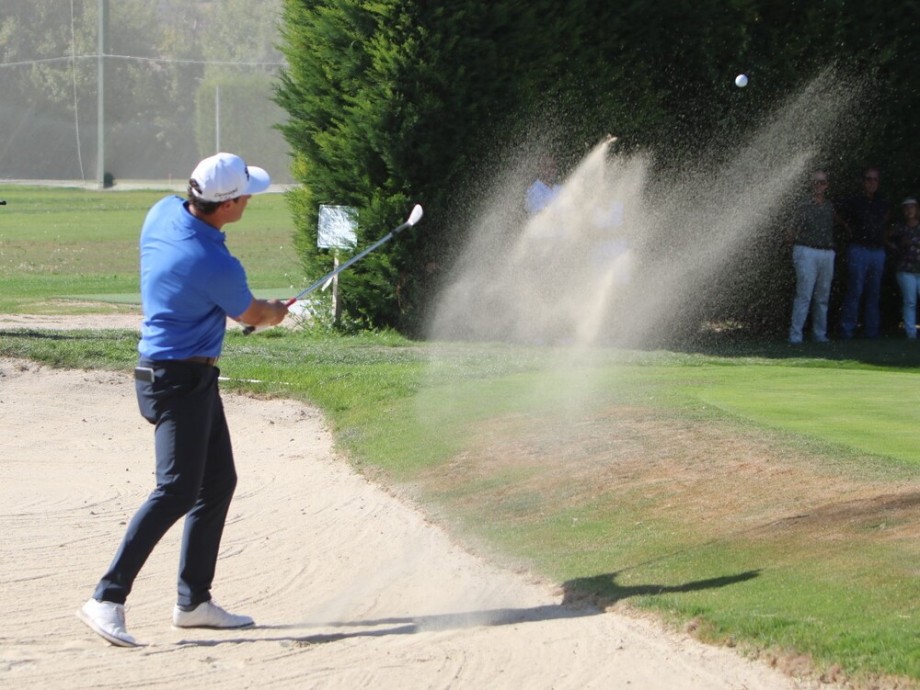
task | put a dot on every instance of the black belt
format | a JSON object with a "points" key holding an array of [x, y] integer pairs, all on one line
{"points": [[210, 361], [812, 246], [147, 373]]}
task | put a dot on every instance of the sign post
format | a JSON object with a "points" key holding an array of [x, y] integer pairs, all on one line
{"points": [[336, 231]]}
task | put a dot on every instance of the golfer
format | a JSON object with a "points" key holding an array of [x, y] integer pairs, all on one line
{"points": [[190, 284]]}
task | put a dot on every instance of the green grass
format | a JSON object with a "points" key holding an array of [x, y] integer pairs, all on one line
{"points": [[822, 404], [61, 246], [405, 411], [520, 459]]}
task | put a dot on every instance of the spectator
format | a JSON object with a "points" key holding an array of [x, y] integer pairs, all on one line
{"points": [[866, 219], [812, 235], [904, 241], [544, 189]]}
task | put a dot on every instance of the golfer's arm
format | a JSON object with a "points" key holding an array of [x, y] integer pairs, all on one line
{"points": [[262, 312]]}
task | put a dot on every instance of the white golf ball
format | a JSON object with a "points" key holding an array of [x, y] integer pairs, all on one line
{"points": [[741, 80]]}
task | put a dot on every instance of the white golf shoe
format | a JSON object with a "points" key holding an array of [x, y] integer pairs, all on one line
{"points": [[209, 615], [107, 620]]}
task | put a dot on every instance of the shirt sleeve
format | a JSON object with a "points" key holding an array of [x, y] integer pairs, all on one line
{"points": [[229, 289]]}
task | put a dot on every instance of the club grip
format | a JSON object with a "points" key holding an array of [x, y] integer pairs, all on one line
{"points": [[250, 329]]}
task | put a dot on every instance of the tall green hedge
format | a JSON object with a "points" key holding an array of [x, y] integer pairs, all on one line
{"points": [[392, 102]]}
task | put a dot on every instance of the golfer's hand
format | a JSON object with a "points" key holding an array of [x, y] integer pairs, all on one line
{"points": [[277, 310], [263, 312]]}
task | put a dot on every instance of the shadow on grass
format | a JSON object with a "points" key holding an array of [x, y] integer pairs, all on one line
{"points": [[891, 351], [603, 591], [28, 334]]}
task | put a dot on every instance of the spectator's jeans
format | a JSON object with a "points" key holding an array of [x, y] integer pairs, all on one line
{"points": [[864, 286], [814, 270], [910, 287]]}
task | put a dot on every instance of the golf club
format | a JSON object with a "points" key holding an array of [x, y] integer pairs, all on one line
{"points": [[414, 218]]}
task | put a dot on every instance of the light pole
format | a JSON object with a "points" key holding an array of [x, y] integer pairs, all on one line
{"points": [[217, 118], [100, 93]]}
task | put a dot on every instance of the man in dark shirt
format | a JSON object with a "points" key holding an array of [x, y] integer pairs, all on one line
{"points": [[866, 217]]}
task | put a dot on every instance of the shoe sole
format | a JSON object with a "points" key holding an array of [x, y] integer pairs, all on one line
{"points": [[214, 627], [111, 639]]}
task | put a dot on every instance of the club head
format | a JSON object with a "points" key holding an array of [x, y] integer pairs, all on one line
{"points": [[416, 215]]}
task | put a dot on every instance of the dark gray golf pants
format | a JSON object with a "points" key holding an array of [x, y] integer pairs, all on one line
{"points": [[196, 478]]}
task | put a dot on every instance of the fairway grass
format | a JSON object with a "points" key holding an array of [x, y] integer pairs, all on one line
{"points": [[830, 405], [61, 245]]}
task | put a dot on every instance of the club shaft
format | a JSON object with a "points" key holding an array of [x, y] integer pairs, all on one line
{"points": [[357, 257]]}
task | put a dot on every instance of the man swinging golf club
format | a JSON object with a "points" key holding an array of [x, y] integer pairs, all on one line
{"points": [[190, 284]]}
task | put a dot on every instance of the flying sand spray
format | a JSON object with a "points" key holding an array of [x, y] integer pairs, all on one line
{"points": [[621, 254]]}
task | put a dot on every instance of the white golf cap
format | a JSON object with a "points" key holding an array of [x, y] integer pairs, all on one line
{"points": [[225, 176], [909, 200]]}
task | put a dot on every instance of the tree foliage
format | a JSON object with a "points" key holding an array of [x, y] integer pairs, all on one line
{"points": [[158, 57], [49, 51], [391, 102], [397, 102]]}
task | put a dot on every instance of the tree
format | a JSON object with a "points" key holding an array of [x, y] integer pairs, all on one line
{"points": [[242, 63], [395, 101], [43, 78], [50, 81], [158, 57]]}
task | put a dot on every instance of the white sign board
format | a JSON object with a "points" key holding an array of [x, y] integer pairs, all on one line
{"points": [[336, 227]]}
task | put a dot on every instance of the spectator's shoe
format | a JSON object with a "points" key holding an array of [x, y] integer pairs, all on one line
{"points": [[209, 615], [107, 620]]}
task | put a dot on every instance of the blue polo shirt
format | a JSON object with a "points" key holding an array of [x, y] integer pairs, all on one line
{"points": [[190, 283]]}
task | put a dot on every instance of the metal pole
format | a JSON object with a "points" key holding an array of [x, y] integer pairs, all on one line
{"points": [[217, 118], [336, 304], [100, 89]]}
